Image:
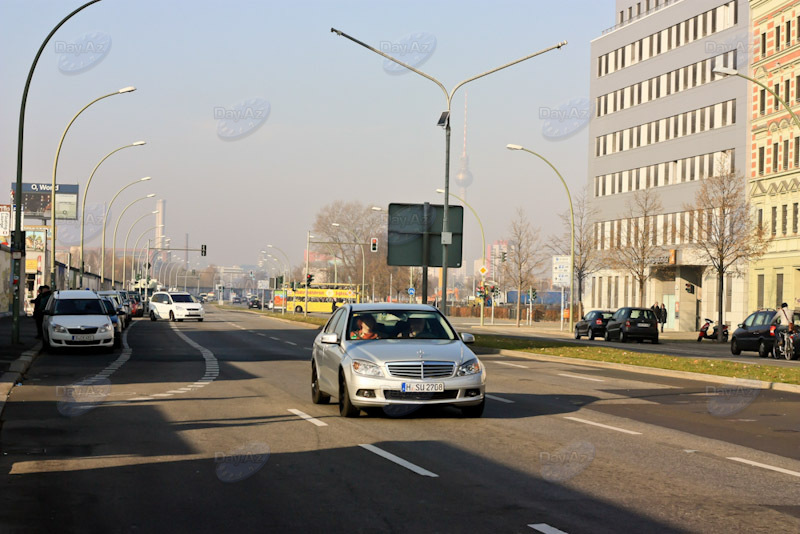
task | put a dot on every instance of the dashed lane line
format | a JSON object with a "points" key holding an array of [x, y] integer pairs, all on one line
{"points": [[307, 417], [544, 528], [512, 365], [601, 425], [765, 466], [399, 461], [568, 375], [499, 399]]}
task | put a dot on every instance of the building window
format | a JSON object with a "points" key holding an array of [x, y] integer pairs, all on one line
{"points": [[778, 290], [788, 33], [794, 217], [774, 157], [777, 89], [785, 154], [760, 219], [777, 38], [762, 102], [784, 218], [728, 292], [763, 45], [761, 160], [760, 292], [797, 88], [774, 221], [796, 152]]}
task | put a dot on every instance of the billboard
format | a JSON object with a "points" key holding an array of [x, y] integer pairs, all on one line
{"points": [[36, 200], [561, 271], [35, 238], [409, 229], [5, 224]]}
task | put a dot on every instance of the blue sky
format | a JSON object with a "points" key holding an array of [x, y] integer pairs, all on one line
{"points": [[339, 126]]}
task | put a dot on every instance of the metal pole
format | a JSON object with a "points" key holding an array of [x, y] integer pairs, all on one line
{"points": [[308, 244], [124, 261], [105, 223], [114, 239], [18, 245]]}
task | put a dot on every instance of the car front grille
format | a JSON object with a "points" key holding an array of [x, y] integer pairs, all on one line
{"points": [[391, 394], [82, 330], [81, 343], [421, 369]]}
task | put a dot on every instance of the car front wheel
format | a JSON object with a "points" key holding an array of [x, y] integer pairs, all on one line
{"points": [[474, 411], [346, 408], [152, 316], [577, 333], [735, 350]]}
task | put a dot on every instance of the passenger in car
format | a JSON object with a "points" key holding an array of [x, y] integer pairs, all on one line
{"points": [[365, 328]]}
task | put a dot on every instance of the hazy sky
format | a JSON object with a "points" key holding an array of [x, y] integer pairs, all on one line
{"points": [[339, 124]]}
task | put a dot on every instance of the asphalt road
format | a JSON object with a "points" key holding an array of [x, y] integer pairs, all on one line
{"points": [[209, 427]]}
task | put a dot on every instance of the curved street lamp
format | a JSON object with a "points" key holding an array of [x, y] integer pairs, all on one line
{"points": [[363, 257], [105, 220], [18, 244], [125, 247], [444, 121], [288, 262], [483, 249], [138, 258], [572, 232], [86, 190], [55, 169], [114, 238], [727, 71]]}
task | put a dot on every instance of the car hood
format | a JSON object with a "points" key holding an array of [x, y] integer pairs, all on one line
{"points": [[76, 321], [398, 350]]}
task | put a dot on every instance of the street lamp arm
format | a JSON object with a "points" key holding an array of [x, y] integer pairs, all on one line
{"points": [[773, 93], [390, 58], [520, 60]]}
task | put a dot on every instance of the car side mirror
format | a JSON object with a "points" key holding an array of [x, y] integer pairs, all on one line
{"points": [[330, 339], [467, 338], [741, 325]]}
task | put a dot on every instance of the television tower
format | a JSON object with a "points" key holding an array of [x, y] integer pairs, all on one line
{"points": [[464, 177]]}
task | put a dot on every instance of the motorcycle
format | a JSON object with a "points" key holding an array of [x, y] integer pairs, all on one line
{"points": [[704, 334]]}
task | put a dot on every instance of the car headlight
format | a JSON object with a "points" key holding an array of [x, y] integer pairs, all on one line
{"points": [[58, 329], [104, 328], [366, 368], [469, 368]]}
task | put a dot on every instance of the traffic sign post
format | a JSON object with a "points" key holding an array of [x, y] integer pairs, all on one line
{"points": [[411, 292]]}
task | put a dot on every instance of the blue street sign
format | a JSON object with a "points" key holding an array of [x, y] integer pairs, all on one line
{"points": [[411, 291]]}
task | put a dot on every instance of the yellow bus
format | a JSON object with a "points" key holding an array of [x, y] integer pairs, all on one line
{"points": [[320, 298]]}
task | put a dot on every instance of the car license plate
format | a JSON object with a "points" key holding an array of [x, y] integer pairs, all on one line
{"points": [[645, 325], [422, 387], [83, 338]]}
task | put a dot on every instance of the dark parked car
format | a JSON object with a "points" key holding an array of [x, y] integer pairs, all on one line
{"points": [[593, 324], [757, 332], [254, 303], [632, 323]]}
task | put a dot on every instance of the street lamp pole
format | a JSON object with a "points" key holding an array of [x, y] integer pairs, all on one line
{"points": [[308, 244], [483, 250], [134, 257], [105, 220], [53, 186], [125, 263], [572, 232], [363, 257], [86, 190], [444, 120], [288, 262], [727, 71], [18, 245], [114, 238]]}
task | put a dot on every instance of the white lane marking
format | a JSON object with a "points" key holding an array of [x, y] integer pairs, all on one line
{"points": [[176, 391], [499, 399], [546, 529], [307, 417], [290, 343], [399, 461], [580, 377], [274, 338], [262, 334], [116, 364], [161, 395], [603, 426], [511, 364], [765, 466]]}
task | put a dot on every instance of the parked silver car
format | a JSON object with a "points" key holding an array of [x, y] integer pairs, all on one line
{"points": [[379, 355]]}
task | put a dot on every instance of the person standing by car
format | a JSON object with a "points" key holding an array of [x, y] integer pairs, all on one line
{"points": [[662, 316], [657, 312], [39, 304]]}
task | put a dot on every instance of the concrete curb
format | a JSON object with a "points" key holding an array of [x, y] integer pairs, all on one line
{"points": [[775, 386], [14, 374]]}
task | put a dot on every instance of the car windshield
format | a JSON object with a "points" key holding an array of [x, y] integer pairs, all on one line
{"points": [[78, 307], [182, 298], [399, 325], [607, 315]]}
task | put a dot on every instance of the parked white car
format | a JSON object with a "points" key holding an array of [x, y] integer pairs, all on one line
{"points": [[77, 318], [175, 306]]}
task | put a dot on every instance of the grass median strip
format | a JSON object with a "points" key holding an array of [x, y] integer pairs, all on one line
{"points": [[754, 371]]}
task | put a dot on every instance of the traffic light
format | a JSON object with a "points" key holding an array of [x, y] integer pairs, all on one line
{"points": [[373, 244], [689, 288], [309, 279], [503, 257], [202, 250]]}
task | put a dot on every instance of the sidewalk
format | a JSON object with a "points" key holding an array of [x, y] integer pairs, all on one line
{"points": [[27, 337]]}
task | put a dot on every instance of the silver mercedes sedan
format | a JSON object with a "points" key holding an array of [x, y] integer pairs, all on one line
{"points": [[391, 355]]}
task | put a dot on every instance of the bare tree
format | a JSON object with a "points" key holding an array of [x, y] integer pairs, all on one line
{"points": [[587, 257], [525, 255], [633, 242], [729, 237]]}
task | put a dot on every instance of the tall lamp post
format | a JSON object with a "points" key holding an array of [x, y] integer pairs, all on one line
{"points": [[86, 190], [727, 71], [134, 257], [483, 249], [105, 220], [288, 263], [363, 257], [114, 238], [53, 186], [125, 247], [18, 246], [444, 120], [572, 231]]}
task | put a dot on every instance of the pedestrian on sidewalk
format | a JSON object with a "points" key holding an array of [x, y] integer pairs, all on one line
{"points": [[663, 316], [39, 303]]}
